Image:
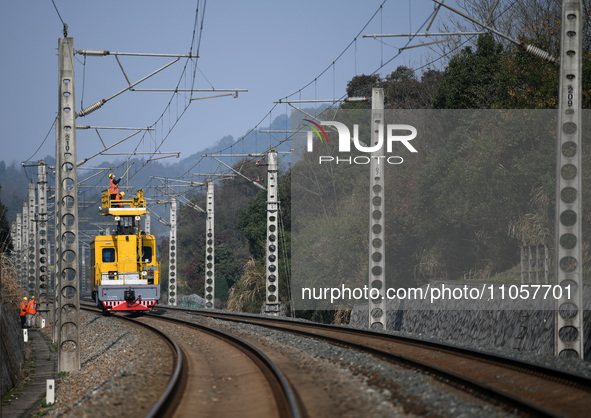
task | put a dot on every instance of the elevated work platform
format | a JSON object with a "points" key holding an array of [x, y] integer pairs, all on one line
{"points": [[135, 206]]}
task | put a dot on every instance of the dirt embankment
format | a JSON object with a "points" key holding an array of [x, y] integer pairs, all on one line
{"points": [[11, 335]]}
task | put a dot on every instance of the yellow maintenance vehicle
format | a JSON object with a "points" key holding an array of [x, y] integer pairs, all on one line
{"points": [[125, 272]]}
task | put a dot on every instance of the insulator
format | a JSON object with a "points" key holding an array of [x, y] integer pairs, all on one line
{"points": [[540, 53], [91, 108], [92, 52]]}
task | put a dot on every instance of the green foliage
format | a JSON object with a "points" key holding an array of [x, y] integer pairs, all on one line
{"points": [[231, 254], [470, 79], [252, 221], [5, 237], [479, 184], [402, 89]]}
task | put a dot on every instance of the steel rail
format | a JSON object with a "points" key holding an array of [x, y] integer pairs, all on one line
{"points": [[285, 395], [165, 405], [457, 379]]}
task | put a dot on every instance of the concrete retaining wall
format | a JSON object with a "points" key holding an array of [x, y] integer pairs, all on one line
{"points": [[502, 326], [13, 347]]}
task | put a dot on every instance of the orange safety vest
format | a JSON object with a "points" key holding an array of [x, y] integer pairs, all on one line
{"points": [[113, 188], [23, 308], [31, 308]]}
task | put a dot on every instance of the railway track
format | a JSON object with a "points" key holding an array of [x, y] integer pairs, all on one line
{"points": [[518, 387], [218, 374], [166, 403]]}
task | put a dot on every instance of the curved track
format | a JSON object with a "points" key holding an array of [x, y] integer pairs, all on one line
{"points": [[218, 374], [519, 387], [166, 403], [227, 376]]}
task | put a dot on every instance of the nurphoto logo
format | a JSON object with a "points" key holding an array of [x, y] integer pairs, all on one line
{"points": [[390, 134]]}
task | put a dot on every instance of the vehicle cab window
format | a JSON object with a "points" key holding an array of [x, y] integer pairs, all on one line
{"points": [[146, 254], [108, 255]]}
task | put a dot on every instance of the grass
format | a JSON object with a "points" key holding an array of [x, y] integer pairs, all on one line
{"points": [[513, 276], [11, 395], [44, 409]]}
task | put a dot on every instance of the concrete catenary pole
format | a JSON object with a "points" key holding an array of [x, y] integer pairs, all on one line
{"points": [[57, 236], [377, 279], [32, 242], [172, 275], [19, 246], [271, 260], [568, 318], [84, 285], [210, 248], [67, 183], [25, 241], [13, 257], [42, 288], [147, 224]]}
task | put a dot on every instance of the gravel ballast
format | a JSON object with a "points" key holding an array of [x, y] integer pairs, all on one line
{"points": [[123, 372]]}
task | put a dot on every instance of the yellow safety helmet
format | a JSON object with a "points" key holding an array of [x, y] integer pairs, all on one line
{"points": [[25, 298], [122, 194], [33, 297], [111, 175]]}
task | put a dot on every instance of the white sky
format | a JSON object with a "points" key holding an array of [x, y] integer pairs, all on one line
{"points": [[270, 47]]}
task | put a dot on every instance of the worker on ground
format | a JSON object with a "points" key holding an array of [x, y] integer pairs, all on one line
{"points": [[113, 186], [31, 312], [23, 312]]}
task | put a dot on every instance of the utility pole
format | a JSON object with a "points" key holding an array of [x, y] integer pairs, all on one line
{"points": [[32, 242], [377, 280], [67, 200], [271, 260], [209, 285], [25, 231], [19, 246], [210, 248], [84, 285], [13, 256], [42, 285], [568, 316], [147, 224], [172, 277], [25, 240], [57, 235]]}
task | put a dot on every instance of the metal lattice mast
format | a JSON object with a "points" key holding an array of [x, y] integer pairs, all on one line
{"points": [[32, 242], [172, 276], [67, 182], [568, 318], [19, 245], [377, 280], [271, 270], [210, 248], [42, 288]]}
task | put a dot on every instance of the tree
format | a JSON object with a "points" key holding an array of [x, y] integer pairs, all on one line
{"points": [[470, 79], [402, 89], [5, 237], [231, 254]]}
